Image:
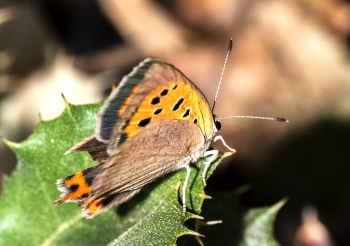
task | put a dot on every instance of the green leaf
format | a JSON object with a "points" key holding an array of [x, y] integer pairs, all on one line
{"points": [[240, 225], [28, 217], [258, 224]]}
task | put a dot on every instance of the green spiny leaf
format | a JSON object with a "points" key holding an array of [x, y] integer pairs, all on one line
{"points": [[240, 225], [258, 224], [28, 217]]}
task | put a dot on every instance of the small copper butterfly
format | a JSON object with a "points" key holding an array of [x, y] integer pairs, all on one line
{"points": [[156, 121]]}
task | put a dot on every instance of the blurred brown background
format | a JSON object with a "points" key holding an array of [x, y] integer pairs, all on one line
{"points": [[289, 59]]}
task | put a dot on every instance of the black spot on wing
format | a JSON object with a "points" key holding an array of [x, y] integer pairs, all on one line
{"points": [[164, 92], [85, 195], [178, 104], [90, 174], [89, 180], [175, 86], [155, 100], [74, 188], [187, 113], [144, 122], [107, 200], [195, 121], [157, 111]]}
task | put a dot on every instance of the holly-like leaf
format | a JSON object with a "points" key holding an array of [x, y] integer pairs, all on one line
{"points": [[258, 226], [239, 225], [28, 217]]}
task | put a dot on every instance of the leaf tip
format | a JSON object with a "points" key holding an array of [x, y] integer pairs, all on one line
{"points": [[199, 240], [40, 118], [227, 154], [194, 233], [213, 222], [194, 216], [208, 223], [280, 204], [244, 189], [205, 196], [7, 142], [64, 99], [177, 186], [114, 86], [196, 236], [66, 103]]}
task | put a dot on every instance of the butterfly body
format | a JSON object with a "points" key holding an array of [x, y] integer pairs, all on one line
{"points": [[156, 121]]}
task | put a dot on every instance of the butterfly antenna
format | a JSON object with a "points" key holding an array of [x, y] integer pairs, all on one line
{"points": [[279, 119], [222, 73]]}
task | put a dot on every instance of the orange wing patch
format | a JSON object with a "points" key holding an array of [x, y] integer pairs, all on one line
{"points": [[74, 188], [92, 208], [176, 100]]}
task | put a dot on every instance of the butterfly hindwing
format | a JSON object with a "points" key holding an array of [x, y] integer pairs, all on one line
{"points": [[91, 208], [164, 146], [96, 149], [77, 187]]}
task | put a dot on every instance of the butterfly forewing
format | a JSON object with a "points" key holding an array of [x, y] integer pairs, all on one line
{"points": [[157, 91]]}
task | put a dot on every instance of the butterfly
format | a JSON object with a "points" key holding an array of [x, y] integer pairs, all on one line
{"points": [[156, 121]]}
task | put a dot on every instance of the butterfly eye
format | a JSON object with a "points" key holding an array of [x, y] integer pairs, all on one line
{"points": [[217, 125], [217, 122]]}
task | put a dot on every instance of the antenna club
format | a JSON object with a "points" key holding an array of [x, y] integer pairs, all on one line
{"points": [[229, 47], [281, 119]]}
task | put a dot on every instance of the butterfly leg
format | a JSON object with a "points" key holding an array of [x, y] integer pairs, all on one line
{"points": [[188, 168], [214, 154], [224, 143]]}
